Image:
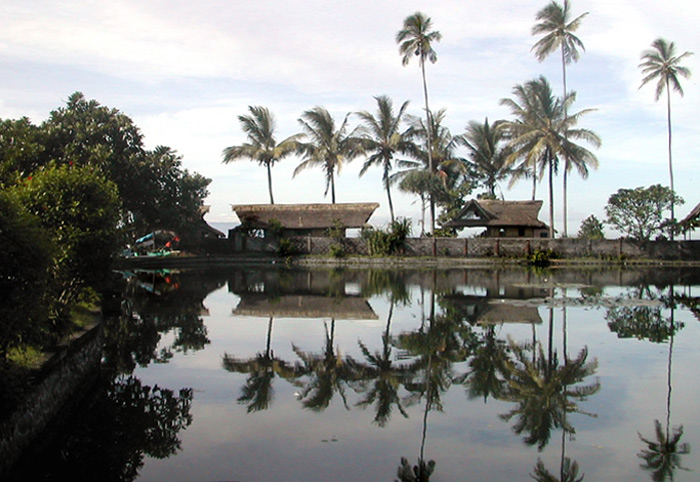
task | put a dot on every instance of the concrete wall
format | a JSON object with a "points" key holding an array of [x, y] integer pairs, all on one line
{"points": [[70, 369], [568, 248]]}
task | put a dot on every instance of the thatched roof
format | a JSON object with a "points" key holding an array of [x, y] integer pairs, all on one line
{"points": [[305, 306], [306, 216], [478, 213], [692, 219]]}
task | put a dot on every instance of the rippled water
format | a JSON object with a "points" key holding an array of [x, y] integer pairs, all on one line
{"points": [[358, 375]]}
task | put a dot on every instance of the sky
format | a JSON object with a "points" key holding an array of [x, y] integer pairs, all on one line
{"points": [[184, 71]]}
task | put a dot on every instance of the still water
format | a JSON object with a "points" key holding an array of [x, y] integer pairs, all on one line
{"points": [[377, 375]]}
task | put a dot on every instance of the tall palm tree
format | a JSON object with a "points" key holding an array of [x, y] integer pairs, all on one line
{"points": [[328, 147], [554, 22], [259, 127], [382, 138], [416, 175], [488, 152], [416, 39], [660, 63], [541, 134]]}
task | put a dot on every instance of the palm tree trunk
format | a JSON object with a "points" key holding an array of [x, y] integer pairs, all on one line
{"points": [[551, 197], [566, 161], [269, 182], [534, 180], [332, 188], [388, 195], [670, 162], [430, 142]]}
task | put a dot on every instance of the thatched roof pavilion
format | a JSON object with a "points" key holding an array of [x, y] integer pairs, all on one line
{"points": [[502, 218], [305, 219]]}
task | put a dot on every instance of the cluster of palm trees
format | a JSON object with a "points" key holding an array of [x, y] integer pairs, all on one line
{"points": [[540, 140], [417, 368]]}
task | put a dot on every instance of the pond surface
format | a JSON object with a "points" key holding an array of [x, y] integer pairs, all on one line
{"points": [[376, 375]]}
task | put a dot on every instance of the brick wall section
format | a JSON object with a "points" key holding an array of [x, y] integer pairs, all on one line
{"points": [[569, 248], [70, 369]]}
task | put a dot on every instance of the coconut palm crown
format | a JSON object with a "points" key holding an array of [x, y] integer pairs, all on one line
{"points": [[259, 127], [327, 147], [661, 64], [416, 38], [382, 139], [554, 22]]}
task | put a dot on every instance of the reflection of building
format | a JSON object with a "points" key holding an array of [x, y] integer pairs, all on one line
{"points": [[305, 306], [509, 219], [485, 310], [299, 294], [304, 219]]}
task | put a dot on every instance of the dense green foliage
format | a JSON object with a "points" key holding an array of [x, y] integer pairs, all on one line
{"points": [[387, 242], [73, 190], [24, 273], [639, 213], [155, 191], [591, 228]]}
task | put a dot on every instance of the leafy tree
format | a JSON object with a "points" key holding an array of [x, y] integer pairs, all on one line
{"points": [[80, 210], [25, 262], [660, 63], [555, 23], [382, 138], [21, 149], [639, 213], [416, 39], [541, 135], [262, 146], [591, 228], [87, 133], [328, 147], [488, 153]]}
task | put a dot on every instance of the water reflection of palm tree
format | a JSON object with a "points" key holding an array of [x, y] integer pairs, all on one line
{"points": [[327, 373], [485, 367], [662, 456], [543, 391], [386, 378], [261, 369], [568, 472]]}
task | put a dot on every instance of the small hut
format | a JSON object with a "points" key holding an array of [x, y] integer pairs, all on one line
{"points": [[511, 219], [691, 221], [304, 219]]}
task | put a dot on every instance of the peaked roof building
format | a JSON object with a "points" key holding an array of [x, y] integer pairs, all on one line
{"points": [[502, 218]]}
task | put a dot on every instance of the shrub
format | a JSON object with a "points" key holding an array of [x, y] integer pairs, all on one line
{"points": [[541, 258], [387, 242]]}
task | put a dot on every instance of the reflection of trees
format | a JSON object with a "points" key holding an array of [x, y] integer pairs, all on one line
{"points": [[261, 370], [132, 339], [568, 472], [662, 456], [124, 422], [325, 373], [485, 367], [543, 391], [383, 377], [644, 321]]}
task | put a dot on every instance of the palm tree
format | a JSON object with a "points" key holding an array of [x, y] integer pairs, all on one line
{"points": [[417, 176], [416, 39], [661, 63], [541, 134], [488, 152], [328, 147], [554, 22], [382, 137], [262, 147]]}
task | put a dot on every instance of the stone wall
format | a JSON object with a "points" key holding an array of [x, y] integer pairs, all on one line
{"points": [[567, 248], [69, 369]]}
